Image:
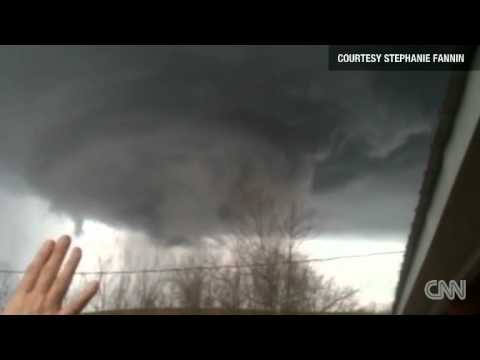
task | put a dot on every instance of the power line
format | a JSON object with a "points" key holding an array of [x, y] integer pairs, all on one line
{"points": [[214, 267]]}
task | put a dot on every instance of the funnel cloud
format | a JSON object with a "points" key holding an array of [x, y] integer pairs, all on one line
{"points": [[158, 139]]}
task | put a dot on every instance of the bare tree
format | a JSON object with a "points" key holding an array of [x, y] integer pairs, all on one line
{"points": [[267, 233], [6, 285], [142, 290], [229, 289], [119, 292], [193, 285], [333, 298], [149, 290], [100, 302], [267, 271]]}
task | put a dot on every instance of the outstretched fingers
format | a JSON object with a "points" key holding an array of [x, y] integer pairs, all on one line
{"points": [[50, 270], [63, 281], [34, 269]]}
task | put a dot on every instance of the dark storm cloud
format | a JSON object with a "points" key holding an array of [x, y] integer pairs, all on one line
{"points": [[158, 138]]}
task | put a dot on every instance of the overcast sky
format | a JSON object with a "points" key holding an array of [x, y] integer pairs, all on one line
{"points": [[155, 140]]}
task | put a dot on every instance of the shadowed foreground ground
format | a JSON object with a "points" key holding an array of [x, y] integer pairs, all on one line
{"points": [[210, 312]]}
